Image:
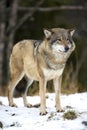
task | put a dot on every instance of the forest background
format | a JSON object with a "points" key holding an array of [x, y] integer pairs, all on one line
{"points": [[25, 19]]}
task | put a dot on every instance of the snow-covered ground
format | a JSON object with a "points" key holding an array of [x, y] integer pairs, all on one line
{"points": [[22, 118]]}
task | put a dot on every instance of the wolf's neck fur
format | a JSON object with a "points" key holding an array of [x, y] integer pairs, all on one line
{"points": [[54, 60]]}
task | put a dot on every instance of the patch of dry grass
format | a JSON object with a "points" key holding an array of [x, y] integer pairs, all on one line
{"points": [[70, 115]]}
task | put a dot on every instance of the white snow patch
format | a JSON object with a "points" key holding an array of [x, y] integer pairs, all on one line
{"points": [[22, 118]]}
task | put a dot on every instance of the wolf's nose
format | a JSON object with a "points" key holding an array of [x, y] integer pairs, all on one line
{"points": [[66, 49]]}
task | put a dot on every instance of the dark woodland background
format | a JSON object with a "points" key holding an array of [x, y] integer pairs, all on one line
{"points": [[25, 19]]}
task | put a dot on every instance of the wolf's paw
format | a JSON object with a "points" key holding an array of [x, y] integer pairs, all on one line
{"points": [[13, 105], [28, 105], [60, 110], [36, 105], [43, 113]]}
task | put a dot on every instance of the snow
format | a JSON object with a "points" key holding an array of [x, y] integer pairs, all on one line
{"points": [[23, 118]]}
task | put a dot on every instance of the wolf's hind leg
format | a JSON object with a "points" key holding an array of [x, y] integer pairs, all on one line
{"points": [[15, 78], [24, 95]]}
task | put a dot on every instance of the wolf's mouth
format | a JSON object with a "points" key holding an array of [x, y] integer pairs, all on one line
{"points": [[63, 51]]}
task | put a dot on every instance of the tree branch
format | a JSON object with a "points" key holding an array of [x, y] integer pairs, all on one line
{"points": [[49, 9], [29, 14]]}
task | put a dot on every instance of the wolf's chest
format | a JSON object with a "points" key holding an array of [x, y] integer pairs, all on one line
{"points": [[51, 74]]}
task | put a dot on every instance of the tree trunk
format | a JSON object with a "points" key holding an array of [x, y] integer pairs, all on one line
{"points": [[10, 38], [2, 36], [7, 32]]}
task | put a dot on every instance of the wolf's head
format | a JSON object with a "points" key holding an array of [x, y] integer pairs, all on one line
{"points": [[60, 40]]}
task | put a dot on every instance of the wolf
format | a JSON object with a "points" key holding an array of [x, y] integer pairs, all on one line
{"points": [[41, 61]]}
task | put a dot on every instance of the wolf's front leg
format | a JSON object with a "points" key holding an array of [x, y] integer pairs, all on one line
{"points": [[42, 87], [57, 86]]}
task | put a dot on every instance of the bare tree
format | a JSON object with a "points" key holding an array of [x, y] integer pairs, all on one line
{"points": [[8, 27], [7, 23], [2, 35]]}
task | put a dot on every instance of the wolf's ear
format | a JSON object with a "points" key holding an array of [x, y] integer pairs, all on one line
{"points": [[47, 33], [71, 31]]}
